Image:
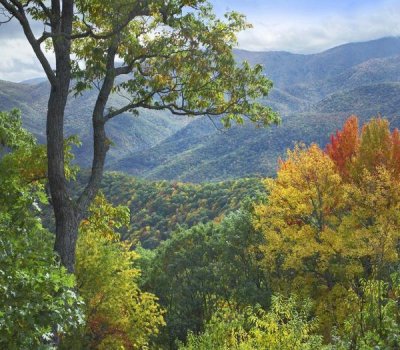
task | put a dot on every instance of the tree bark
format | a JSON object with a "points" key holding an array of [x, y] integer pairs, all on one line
{"points": [[64, 209], [64, 212]]}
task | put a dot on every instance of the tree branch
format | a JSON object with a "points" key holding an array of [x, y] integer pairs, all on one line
{"points": [[16, 9], [100, 142]]}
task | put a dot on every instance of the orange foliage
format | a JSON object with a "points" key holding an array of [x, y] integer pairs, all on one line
{"points": [[344, 145], [375, 148], [395, 156]]}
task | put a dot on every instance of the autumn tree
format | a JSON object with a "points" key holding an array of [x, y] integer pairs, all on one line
{"points": [[302, 212], [375, 146], [119, 315], [344, 145], [172, 55], [332, 219], [379, 148]]}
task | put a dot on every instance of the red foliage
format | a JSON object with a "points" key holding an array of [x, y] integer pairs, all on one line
{"points": [[344, 145], [395, 156]]}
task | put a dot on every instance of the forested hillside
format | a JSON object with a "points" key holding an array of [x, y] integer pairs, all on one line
{"points": [[129, 134], [314, 94], [159, 208]]}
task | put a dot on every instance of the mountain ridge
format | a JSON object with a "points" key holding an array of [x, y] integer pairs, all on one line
{"points": [[311, 112], [313, 93]]}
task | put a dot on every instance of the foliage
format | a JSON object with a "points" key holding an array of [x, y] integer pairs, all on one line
{"points": [[196, 269], [344, 145], [332, 219], [119, 314], [178, 54], [376, 320], [37, 300], [159, 208], [378, 149], [286, 326]]}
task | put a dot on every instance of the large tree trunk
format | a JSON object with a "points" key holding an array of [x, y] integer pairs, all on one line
{"points": [[67, 224], [64, 211], [68, 213], [63, 206]]}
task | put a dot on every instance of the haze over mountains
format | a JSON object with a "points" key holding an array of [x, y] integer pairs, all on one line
{"points": [[314, 94]]}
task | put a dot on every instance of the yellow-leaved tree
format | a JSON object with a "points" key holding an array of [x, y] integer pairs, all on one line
{"points": [[119, 315], [333, 218]]}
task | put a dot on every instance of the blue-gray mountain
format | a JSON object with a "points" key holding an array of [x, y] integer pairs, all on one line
{"points": [[314, 94], [128, 133]]}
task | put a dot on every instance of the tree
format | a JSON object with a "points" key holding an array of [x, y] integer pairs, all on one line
{"points": [[119, 314], [375, 322], [333, 219], [375, 147], [196, 269], [36, 293], [175, 55], [302, 213], [344, 145], [288, 325]]}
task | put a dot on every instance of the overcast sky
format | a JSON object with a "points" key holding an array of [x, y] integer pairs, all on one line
{"points": [[300, 26]]}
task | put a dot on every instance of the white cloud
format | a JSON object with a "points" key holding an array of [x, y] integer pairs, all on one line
{"points": [[300, 33], [308, 34], [18, 61]]}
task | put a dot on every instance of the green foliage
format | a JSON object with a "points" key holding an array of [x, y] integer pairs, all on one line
{"points": [[196, 269], [12, 135], [36, 294], [119, 314], [375, 322], [287, 326], [192, 50], [160, 208]]}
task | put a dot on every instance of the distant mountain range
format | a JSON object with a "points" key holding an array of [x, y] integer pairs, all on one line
{"points": [[129, 133], [314, 94]]}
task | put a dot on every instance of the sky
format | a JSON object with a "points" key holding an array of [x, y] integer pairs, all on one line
{"points": [[298, 26]]}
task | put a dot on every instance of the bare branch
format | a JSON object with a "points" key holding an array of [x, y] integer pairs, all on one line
{"points": [[6, 14], [45, 36]]}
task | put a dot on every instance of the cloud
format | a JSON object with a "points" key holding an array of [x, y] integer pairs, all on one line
{"points": [[300, 30], [18, 61], [310, 34]]}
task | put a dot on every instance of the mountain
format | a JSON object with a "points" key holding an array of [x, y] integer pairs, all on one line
{"points": [[314, 94], [34, 81], [129, 133], [286, 69]]}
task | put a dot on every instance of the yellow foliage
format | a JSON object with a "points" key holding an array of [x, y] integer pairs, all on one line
{"points": [[303, 209], [323, 234], [120, 315]]}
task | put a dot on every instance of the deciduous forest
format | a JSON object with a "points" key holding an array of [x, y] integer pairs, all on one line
{"points": [[305, 257]]}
